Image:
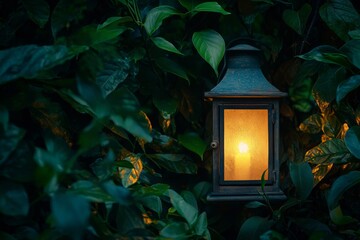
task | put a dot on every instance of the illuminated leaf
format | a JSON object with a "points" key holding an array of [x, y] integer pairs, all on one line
{"points": [[312, 124], [130, 176], [331, 151]]}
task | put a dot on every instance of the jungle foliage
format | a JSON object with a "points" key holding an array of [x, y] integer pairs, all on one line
{"points": [[104, 132]]}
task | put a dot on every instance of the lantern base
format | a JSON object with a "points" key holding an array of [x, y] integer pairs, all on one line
{"points": [[274, 196]]}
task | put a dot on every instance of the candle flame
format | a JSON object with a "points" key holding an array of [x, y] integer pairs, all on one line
{"points": [[243, 147]]}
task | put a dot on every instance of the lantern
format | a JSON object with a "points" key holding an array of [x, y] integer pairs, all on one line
{"points": [[245, 130]]}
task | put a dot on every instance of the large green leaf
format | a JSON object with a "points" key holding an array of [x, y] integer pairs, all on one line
{"points": [[175, 230], [130, 176], [38, 11], [326, 85], [201, 224], [185, 210], [340, 186], [114, 72], [90, 191], [128, 218], [193, 142], [211, 47], [340, 16], [168, 65], [352, 50], [14, 200], [28, 60], [178, 163], [114, 22], [354, 34], [253, 228], [302, 178], [209, 7], [201, 190], [71, 212], [66, 12], [297, 19], [9, 139], [346, 86], [331, 151], [327, 54], [119, 194], [312, 124], [352, 141], [165, 45], [153, 203], [155, 17], [165, 104]]}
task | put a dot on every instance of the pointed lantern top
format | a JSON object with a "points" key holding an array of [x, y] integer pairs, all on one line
{"points": [[243, 77]]}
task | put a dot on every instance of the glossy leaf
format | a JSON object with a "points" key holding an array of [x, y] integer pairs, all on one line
{"points": [[175, 230], [255, 204], [168, 65], [189, 198], [354, 34], [297, 19], [340, 16], [130, 176], [152, 202], [28, 60], [114, 72], [327, 82], [14, 200], [327, 54], [338, 218], [331, 151], [253, 228], [157, 189], [193, 142], [38, 11], [177, 163], [201, 224], [71, 212], [103, 167], [352, 141], [119, 194], [320, 171], [352, 50], [312, 124], [331, 126], [155, 17], [9, 139], [66, 12], [340, 186], [347, 86], [90, 191], [185, 210], [201, 190], [165, 104], [302, 178], [211, 47], [209, 7], [164, 44], [114, 22]]}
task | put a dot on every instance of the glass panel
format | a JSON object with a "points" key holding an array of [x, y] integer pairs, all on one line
{"points": [[246, 144]]}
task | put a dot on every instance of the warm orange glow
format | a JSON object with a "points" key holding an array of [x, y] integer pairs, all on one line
{"points": [[246, 143]]}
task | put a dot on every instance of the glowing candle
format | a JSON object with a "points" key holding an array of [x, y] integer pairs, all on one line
{"points": [[242, 162]]}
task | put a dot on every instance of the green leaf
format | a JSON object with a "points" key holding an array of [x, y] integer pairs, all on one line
{"points": [[185, 210], [165, 104], [320, 171], [119, 194], [311, 226], [352, 141], [253, 228], [90, 191], [255, 204], [297, 19], [130, 176], [327, 54], [352, 50], [114, 22], [175, 230], [331, 151], [14, 200], [312, 124], [209, 7], [38, 11], [331, 126], [201, 224], [103, 168], [155, 17], [340, 16], [9, 139], [177, 163], [354, 34], [128, 219], [302, 178], [189, 198], [167, 65], [193, 142], [164, 44], [114, 72], [28, 60], [66, 12], [201, 190], [153, 203], [91, 135], [71, 212], [157, 189], [338, 218], [211, 47], [340, 186], [347, 86]]}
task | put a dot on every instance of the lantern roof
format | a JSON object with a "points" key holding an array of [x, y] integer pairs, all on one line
{"points": [[243, 77]]}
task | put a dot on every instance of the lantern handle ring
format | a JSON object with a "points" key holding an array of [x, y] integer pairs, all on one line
{"points": [[214, 144]]}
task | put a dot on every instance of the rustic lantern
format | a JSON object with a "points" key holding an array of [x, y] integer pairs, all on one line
{"points": [[245, 130]]}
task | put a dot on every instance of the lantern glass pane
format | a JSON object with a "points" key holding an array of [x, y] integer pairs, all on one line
{"points": [[246, 144]]}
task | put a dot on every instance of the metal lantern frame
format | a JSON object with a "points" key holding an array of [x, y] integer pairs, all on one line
{"points": [[244, 86]]}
